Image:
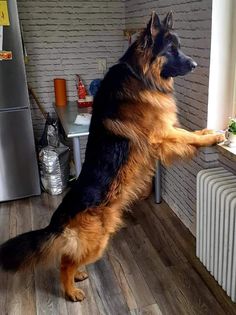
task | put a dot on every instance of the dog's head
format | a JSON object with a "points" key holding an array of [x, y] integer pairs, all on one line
{"points": [[164, 43], [158, 50]]}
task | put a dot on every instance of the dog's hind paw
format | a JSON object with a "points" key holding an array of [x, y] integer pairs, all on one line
{"points": [[76, 295], [80, 276]]}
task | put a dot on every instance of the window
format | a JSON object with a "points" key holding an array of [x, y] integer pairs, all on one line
{"points": [[222, 79]]}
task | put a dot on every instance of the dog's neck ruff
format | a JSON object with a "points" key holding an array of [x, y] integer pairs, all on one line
{"points": [[165, 88], [136, 75]]}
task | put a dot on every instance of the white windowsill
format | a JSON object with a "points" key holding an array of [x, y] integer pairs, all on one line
{"points": [[230, 152]]}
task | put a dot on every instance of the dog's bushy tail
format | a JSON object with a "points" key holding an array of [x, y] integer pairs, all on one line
{"points": [[26, 250]]}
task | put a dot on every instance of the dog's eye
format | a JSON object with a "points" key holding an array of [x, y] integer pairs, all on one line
{"points": [[174, 50]]}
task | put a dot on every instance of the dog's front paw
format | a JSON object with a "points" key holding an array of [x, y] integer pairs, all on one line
{"points": [[76, 295], [213, 139], [220, 137]]}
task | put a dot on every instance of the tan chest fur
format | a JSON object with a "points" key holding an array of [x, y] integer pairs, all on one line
{"points": [[145, 122]]}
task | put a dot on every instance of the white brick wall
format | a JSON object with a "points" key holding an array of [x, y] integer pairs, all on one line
{"points": [[66, 37], [227, 163]]}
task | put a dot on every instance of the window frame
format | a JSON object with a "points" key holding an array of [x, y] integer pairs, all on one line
{"points": [[222, 74]]}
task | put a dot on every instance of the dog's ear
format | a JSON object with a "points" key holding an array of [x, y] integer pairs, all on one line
{"points": [[154, 24], [168, 21], [151, 30]]}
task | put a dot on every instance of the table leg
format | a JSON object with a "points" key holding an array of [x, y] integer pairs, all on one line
{"points": [[77, 156], [158, 183]]}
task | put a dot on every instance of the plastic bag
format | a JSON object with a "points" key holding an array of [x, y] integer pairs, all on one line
{"points": [[53, 159]]}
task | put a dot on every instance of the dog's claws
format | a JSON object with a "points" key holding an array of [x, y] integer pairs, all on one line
{"points": [[220, 138], [80, 276]]}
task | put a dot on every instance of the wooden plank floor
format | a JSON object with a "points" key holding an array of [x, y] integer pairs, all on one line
{"points": [[149, 268]]}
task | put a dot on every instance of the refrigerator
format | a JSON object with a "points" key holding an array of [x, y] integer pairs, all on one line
{"points": [[19, 176]]}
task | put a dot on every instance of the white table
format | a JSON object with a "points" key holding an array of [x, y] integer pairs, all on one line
{"points": [[67, 115]]}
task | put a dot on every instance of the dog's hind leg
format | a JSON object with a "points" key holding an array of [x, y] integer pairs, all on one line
{"points": [[86, 239], [68, 272], [70, 265]]}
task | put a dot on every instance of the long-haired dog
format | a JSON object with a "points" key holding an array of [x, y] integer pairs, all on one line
{"points": [[134, 123]]}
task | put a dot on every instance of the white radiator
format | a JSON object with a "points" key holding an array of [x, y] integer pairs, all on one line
{"points": [[216, 226]]}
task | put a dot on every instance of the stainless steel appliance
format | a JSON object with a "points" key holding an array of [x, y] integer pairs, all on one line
{"points": [[18, 165]]}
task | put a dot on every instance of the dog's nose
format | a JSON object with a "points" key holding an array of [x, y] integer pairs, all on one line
{"points": [[193, 64]]}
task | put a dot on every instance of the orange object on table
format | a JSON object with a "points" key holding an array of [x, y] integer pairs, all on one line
{"points": [[60, 92]]}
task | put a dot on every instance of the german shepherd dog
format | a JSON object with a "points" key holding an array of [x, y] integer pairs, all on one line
{"points": [[134, 123]]}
